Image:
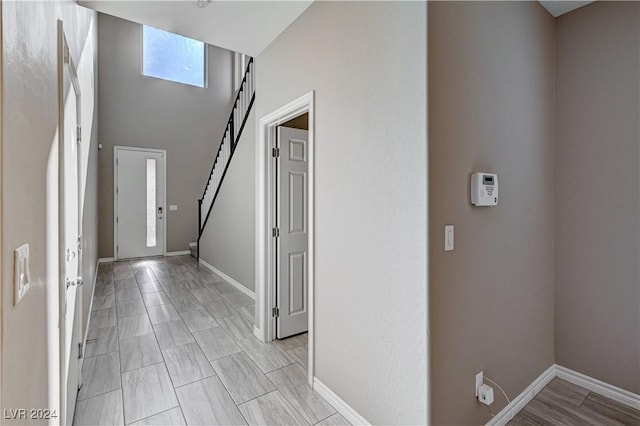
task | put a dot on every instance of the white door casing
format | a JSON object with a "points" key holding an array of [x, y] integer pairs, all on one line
{"points": [[265, 323], [70, 226], [292, 223], [139, 202]]}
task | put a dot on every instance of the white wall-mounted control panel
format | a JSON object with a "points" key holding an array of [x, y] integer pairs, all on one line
{"points": [[484, 189]]}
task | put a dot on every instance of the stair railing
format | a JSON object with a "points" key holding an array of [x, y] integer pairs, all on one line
{"points": [[235, 125]]}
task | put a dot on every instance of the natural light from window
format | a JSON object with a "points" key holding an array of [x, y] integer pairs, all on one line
{"points": [[172, 57], [151, 202]]}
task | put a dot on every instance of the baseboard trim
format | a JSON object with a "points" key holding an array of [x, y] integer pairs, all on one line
{"points": [[594, 385], [228, 279], [178, 253], [257, 333], [518, 403], [338, 403], [105, 260], [605, 389]]}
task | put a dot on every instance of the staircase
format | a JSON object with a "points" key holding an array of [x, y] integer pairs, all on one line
{"points": [[238, 118]]}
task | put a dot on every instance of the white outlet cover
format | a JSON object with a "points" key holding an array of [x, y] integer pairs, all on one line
{"points": [[21, 273], [449, 237], [479, 381]]}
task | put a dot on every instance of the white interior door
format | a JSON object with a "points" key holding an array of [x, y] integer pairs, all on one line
{"points": [[71, 214], [292, 251], [139, 202]]}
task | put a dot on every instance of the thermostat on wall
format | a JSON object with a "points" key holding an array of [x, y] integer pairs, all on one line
{"points": [[484, 189]]}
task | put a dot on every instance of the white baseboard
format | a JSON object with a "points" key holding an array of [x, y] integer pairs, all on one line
{"points": [[257, 333], [605, 389], [105, 260], [228, 279], [178, 253], [338, 403], [594, 385], [518, 403]]}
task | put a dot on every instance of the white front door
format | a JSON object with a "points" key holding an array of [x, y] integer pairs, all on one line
{"points": [[292, 252], [139, 202], [71, 214]]}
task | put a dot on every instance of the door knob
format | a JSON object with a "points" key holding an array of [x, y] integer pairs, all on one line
{"points": [[78, 282]]}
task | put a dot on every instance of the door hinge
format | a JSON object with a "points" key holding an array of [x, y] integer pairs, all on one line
{"points": [[117, 220], [66, 56], [275, 152], [117, 248], [80, 354], [79, 134], [275, 312], [275, 232]]}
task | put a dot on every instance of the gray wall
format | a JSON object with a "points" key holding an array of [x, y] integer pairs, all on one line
{"points": [[228, 241], [598, 192], [491, 68], [367, 64], [147, 112], [29, 178]]}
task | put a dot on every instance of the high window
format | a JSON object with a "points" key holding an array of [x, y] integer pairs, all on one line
{"points": [[173, 57]]}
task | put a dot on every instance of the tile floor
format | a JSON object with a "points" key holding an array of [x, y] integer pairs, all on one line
{"points": [[563, 403], [171, 343]]}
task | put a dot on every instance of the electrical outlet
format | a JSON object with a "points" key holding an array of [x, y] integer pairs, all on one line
{"points": [[479, 381], [485, 394]]}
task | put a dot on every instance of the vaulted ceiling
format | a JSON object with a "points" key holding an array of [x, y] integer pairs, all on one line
{"points": [[560, 7], [242, 26]]}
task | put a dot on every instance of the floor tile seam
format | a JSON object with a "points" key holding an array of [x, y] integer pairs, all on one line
{"points": [[293, 387], [291, 360], [285, 398], [198, 380], [164, 360], [144, 366], [138, 420], [100, 394], [254, 364], [229, 393], [161, 412], [584, 399]]}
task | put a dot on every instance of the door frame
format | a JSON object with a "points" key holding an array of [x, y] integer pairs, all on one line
{"points": [[115, 195], [265, 328], [65, 64]]}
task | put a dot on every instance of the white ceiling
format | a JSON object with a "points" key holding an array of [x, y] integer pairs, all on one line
{"points": [[242, 26], [560, 7]]}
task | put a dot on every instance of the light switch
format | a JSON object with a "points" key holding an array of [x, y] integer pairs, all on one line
{"points": [[173, 207], [448, 237], [21, 273]]}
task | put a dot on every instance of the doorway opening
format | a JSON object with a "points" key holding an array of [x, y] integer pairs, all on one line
{"points": [[291, 240], [139, 202], [285, 224]]}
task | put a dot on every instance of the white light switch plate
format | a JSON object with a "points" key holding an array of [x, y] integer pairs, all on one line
{"points": [[21, 273], [448, 237], [173, 207]]}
